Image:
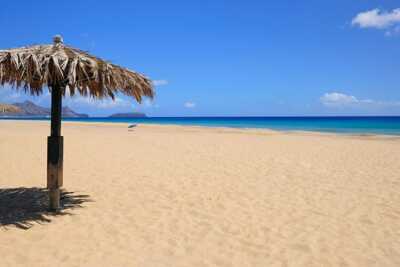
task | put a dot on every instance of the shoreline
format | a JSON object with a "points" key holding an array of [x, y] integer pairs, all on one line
{"points": [[224, 128]]}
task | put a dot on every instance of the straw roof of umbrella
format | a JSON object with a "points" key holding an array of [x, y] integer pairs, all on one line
{"points": [[34, 67]]}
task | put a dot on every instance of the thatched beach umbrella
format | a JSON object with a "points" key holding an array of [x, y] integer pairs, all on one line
{"points": [[60, 67]]}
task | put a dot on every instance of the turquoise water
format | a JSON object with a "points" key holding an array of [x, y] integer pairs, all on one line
{"points": [[353, 125]]}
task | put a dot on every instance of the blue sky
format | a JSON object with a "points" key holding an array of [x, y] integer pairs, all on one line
{"points": [[226, 58]]}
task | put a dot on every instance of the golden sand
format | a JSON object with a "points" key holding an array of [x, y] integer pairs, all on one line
{"points": [[192, 196]]}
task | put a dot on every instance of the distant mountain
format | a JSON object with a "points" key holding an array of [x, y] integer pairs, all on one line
{"points": [[128, 115], [30, 109], [69, 113]]}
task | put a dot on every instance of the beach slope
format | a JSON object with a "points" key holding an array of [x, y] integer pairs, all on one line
{"points": [[192, 196]]}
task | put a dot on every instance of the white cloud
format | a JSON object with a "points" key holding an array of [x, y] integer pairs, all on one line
{"points": [[376, 18], [189, 104], [160, 82], [336, 99]]}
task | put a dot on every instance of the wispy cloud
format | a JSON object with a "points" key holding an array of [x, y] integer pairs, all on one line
{"points": [[393, 31], [160, 82], [375, 18], [9, 95], [189, 104], [90, 102], [78, 101], [340, 100]]}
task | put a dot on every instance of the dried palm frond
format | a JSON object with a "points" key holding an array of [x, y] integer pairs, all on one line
{"points": [[35, 67]]}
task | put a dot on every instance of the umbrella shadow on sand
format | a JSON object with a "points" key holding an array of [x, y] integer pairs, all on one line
{"points": [[23, 207]]}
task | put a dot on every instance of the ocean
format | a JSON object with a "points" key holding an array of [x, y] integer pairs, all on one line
{"points": [[388, 125]]}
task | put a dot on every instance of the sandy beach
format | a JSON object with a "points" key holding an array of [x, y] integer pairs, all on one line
{"points": [[193, 196]]}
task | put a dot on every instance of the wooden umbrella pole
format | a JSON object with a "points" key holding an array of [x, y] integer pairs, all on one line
{"points": [[55, 149]]}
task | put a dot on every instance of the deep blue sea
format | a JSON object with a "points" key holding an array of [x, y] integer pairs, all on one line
{"points": [[352, 125]]}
